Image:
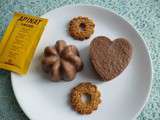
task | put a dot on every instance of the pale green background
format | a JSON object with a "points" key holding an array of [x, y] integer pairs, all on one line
{"points": [[144, 15]]}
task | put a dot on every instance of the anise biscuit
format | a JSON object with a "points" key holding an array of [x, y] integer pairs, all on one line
{"points": [[85, 89], [81, 28]]}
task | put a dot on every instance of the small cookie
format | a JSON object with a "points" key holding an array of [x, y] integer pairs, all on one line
{"points": [[110, 58], [81, 28], [88, 106], [62, 60]]}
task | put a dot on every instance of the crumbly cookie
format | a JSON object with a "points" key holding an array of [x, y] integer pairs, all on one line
{"points": [[81, 28], [88, 106], [110, 58]]}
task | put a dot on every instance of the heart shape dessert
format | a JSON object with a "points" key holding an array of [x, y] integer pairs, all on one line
{"points": [[110, 58]]}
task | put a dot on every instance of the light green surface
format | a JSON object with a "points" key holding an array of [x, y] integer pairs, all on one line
{"points": [[144, 15]]}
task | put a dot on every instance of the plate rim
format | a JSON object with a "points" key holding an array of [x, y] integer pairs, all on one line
{"points": [[146, 99]]}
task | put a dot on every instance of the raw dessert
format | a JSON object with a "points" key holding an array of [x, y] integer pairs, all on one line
{"points": [[62, 61], [110, 58]]}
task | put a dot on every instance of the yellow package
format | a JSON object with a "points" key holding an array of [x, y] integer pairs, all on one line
{"points": [[19, 42]]}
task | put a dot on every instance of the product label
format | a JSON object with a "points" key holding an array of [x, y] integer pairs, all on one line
{"points": [[19, 42]]}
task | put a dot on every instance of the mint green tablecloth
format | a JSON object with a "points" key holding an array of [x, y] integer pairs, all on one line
{"points": [[143, 14]]}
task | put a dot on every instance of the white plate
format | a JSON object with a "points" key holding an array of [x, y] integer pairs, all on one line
{"points": [[122, 98]]}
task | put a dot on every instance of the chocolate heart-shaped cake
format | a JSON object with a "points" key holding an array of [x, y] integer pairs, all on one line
{"points": [[110, 58]]}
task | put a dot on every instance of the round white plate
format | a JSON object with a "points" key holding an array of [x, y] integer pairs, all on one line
{"points": [[122, 98]]}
